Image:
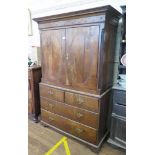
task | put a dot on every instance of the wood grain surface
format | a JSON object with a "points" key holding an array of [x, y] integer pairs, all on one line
{"points": [[41, 139]]}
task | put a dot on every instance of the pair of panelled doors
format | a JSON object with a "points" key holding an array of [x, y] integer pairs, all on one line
{"points": [[70, 56]]}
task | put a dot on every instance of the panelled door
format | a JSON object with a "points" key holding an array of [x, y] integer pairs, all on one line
{"points": [[82, 52], [53, 50], [70, 56]]}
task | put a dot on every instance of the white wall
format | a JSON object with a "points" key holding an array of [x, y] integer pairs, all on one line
{"points": [[47, 7], [41, 8]]}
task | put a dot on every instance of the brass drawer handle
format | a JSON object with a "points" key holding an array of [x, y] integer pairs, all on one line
{"points": [[80, 101], [78, 130], [51, 106], [51, 119], [79, 115], [50, 92]]}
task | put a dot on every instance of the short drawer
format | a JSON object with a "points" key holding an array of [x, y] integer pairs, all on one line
{"points": [[51, 93], [82, 101], [82, 116], [119, 110], [67, 125], [120, 97]]}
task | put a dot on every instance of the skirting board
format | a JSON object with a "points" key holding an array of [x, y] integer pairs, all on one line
{"points": [[93, 147]]}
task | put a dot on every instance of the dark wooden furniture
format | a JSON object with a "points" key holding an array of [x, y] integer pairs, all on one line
{"points": [[118, 110], [118, 118], [122, 69], [77, 71], [34, 77]]}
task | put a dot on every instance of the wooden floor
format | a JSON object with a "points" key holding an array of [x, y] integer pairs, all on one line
{"points": [[41, 139]]}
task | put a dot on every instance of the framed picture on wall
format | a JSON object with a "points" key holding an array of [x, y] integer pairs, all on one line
{"points": [[30, 33]]}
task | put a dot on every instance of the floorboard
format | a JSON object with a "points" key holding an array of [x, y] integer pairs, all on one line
{"points": [[41, 139]]}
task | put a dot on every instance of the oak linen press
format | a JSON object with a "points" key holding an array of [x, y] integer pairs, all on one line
{"points": [[77, 50]]}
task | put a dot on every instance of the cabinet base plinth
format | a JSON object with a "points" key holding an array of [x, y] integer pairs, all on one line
{"points": [[94, 148]]}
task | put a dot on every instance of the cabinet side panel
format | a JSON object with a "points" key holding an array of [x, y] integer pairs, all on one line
{"points": [[104, 109], [107, 52]]}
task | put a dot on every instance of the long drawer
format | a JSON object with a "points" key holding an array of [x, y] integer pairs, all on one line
{"points": [[82, 101], [52, 93], [76, 129], [83, 116]]}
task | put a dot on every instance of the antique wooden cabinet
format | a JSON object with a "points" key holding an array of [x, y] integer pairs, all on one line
{"points": [[34, 77], [77, 71]]}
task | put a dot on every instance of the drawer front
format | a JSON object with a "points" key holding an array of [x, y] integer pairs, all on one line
{"points": [[119, 110], [118, 130], [82, 116], [51, 93], [120, 97], [69, 126], [82, 101]]}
